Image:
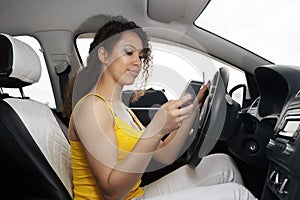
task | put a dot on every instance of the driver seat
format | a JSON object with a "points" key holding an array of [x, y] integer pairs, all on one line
{"points": [[34, 151]]}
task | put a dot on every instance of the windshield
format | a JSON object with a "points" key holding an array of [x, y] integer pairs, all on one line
{"points": [[269, 28]]}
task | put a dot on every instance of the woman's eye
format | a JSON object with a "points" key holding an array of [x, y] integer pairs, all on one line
{"points": [[128, 52]]}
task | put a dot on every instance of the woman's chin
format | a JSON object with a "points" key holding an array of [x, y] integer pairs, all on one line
{"points": [[127, 81]]}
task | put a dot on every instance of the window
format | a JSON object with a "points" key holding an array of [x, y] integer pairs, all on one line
{"points": [[174, 66], [268, 28], [42, 90]]}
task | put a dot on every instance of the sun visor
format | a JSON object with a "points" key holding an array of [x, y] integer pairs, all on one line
{"points": [[175, 10]]}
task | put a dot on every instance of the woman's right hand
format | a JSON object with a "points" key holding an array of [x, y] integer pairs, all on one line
{"points": [[170, 116]]}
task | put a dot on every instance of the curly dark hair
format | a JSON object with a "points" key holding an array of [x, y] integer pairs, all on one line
{"points": [[110, 33], [107, 36]]}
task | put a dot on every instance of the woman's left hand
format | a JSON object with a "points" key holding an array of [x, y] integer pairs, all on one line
{"points": [[202, 94]]}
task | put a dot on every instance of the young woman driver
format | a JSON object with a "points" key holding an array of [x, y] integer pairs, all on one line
{"points": [[110, 149]]}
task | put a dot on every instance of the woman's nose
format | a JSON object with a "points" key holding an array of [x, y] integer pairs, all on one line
{"points": [[137, 60]]}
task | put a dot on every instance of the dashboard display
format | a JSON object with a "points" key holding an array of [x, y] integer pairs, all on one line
{"points": [[290, 128]]}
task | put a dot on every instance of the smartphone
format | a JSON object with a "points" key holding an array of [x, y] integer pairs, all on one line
{"points": [[191, 88]]}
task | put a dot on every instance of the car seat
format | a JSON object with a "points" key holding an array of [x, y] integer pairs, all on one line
{"points": [[147, 105], [34, 151]]}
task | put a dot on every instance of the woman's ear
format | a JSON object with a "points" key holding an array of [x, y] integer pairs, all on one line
{"points": [[103, 55]]}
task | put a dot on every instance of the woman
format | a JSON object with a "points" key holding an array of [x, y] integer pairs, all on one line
{"points": [[110, 149]]}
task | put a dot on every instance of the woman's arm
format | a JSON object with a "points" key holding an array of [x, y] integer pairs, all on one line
{"points": [[169, 148], [94, 124]]}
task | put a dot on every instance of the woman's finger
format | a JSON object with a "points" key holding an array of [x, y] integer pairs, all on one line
{"points": [[183, 113], [202, 94], [184, 101], [186, 111]]}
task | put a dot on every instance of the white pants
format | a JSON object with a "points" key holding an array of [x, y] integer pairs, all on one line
{"points": [[216, 177]]}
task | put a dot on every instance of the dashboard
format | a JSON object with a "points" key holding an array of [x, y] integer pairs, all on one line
{"points": [[279, 96], [284, 154], [267, 136], [277, 85]]}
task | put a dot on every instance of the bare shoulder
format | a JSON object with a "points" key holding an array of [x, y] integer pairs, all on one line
{"points": [[92, 107], [90, 115]]}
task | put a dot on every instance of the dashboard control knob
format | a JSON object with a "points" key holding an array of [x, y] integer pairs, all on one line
{"points": [[252, 146], [271, 144], [272, 176], [282, 189], [277, 182], [288, 149]]}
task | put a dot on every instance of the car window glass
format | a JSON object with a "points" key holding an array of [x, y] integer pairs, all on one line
{"points": [[42, 90], [174, 66], [267, 27]]}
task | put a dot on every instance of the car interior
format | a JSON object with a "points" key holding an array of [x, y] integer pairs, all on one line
{"points": [[35, 145], [256, 121]]}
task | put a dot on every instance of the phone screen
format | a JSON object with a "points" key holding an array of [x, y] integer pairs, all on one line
{"points": [[192, 88]]}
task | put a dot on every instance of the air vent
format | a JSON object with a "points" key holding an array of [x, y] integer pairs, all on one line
{"points": [[295, 103], [298, 94]]}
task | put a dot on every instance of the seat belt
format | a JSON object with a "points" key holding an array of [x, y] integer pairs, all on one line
{"points": [[62, 68], [64, 81]]}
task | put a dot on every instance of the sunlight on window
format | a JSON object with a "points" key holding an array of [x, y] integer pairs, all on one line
{"points": [[269, 28], [173, 67]]}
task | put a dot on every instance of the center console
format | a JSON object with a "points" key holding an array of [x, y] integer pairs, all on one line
{"points": [[283, 151]]}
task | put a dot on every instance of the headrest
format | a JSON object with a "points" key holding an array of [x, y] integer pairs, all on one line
{"points": [[19, 64]]}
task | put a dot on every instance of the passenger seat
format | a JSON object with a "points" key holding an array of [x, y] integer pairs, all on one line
{"points": [[34, 151]]}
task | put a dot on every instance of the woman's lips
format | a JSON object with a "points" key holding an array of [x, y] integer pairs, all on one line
{"points": [[134, 72]]}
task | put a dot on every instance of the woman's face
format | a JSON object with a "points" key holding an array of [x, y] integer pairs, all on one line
{"points": [[124, 61]]}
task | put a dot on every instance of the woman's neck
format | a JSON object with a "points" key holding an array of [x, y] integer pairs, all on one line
{"points": [[109, 90]]}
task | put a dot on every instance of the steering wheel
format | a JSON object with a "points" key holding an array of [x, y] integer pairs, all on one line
{"points": [[210, 120]]}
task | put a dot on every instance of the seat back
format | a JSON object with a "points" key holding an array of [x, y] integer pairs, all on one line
{"points": [[146, 107], [34, 152]]}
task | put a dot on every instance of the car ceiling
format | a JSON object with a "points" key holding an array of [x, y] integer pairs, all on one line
{"points": [[175, 17], [19, 17]]}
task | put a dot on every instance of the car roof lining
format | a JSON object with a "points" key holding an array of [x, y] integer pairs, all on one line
{"points": [[35, 17]]}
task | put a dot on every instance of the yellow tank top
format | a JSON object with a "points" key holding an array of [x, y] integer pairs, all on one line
{"points": [[85, 186]]}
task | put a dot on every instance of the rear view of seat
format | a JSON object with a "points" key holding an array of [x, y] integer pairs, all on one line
{"points": [[147, 105], [34, 151]]}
